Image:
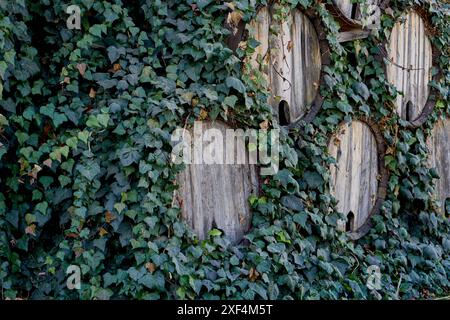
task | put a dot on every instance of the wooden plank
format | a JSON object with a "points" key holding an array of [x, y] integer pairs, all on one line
{"points": [[293, 60], [409, 65], [352, 35], [439, 146], [354, 180], [260, 31], [216, 195]]}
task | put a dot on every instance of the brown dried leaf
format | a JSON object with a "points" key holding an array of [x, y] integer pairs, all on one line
{"points": [[234, 18], [290, 45], [92, 93], [337, 141], [31, 229], [109, 217], [81, 68], [48, 163], [72, 235], [150, 267], [390, 150], [102, 232], [33, 173], [242, 45], [253, 275]]}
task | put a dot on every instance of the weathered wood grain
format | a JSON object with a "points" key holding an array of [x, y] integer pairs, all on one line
{"points": [[352, 35], [260, 30], [366, 13], [354, 180], [216, 195], [292, 60], [409, 65], [439, 146]]}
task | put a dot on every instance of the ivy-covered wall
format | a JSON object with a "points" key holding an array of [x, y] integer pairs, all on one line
{"points": [[86, 178]]}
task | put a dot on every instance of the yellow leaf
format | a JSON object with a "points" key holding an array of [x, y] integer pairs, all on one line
{"points": [[203, 114], [390, 150], [102, 232]]}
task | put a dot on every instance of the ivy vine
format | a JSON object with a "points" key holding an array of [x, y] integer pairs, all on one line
{"points": [[85, 177]]}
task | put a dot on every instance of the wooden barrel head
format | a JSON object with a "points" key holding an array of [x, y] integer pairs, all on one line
{"points": [[439, 146], [409, 65], [216, 195], [291, 61], [365, 14], [354, 177]]}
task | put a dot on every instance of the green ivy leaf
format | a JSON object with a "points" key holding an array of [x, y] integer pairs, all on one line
{"points": [[103, 119], [215, 233], [236, 84], [83, 136], [313, 179], [230, 101], [119, 207], [42, 207], [97, 30], [92, 122], [362, 90]]}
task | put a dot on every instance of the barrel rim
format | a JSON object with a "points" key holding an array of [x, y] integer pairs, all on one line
{"points": [[348, 23], [433, 94], [324, 46], [383, 172], [443, 120]]}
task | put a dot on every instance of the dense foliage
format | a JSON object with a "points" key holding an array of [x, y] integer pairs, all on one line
{"points": [[85, 177]]}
